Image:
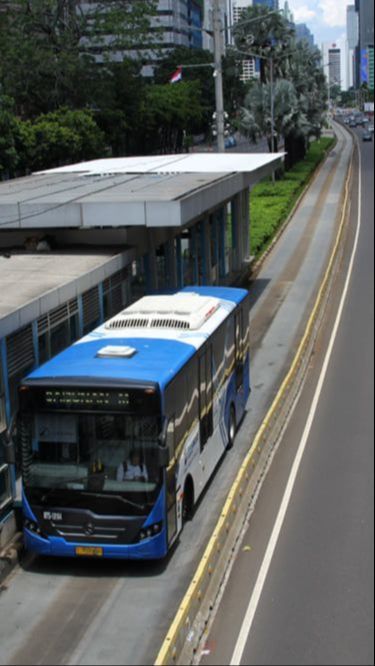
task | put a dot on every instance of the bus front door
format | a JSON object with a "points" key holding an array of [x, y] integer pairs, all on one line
{"points": [[171, 503]]}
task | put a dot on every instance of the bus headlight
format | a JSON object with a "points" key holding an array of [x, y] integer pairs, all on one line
{"points": [[32, 527], [150, 531]]}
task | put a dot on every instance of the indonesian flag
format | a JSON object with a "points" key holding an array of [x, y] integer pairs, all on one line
{"points": [[176, 76]]}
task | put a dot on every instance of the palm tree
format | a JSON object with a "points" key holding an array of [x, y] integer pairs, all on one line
{"points": [[267, 34], [255, 119], [305, 72], [299, 90]]}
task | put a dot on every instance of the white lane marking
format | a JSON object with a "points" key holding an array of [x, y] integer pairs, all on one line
{"points": [[257, 591]]}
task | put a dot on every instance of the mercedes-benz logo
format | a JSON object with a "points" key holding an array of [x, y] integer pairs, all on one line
{"points": [[89, 528]]}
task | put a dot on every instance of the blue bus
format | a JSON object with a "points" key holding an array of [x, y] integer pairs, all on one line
{"points": [[120, 433]]}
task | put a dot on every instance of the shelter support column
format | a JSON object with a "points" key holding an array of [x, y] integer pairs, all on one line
{"points": [[236, 210], [246, 224], [205, 253], [240, 229], [173, 263], [151, 265]]}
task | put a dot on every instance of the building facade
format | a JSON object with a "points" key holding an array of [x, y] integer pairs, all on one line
{"points": [[304, 34], [250, 66], [332, 62], [270, 4], [287, 12], [365, 50], [175, 23], [351, 44]]}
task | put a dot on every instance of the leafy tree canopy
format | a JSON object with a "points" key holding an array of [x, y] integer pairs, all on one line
{"points": [[61, 42], [265, 34], [169, 113]]}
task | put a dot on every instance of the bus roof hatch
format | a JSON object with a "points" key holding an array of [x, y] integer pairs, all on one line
{"points": [[184, 310]]}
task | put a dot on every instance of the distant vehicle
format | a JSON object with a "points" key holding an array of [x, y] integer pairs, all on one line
{"points": [[371, 129], [366, 135], [358, 117], [230, 142], [352, 123], [122, 431]]}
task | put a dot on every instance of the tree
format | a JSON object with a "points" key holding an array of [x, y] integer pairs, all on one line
{"points": [[119, 105], [233, 87], [267, 34], [115, 26], [202, 76], [255, 119], [60, 43], [235, 90], [308, 78], [298, 83], [61, 137], [170, 112], [8, 129]]}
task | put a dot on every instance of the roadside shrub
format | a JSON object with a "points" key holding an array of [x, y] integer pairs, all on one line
{"points": [[271, 203]]}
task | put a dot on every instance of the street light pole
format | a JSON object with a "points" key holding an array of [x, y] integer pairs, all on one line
{"points": [[218, 75]]}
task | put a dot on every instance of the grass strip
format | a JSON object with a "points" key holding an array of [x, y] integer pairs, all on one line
{"points": [[271, 203]]}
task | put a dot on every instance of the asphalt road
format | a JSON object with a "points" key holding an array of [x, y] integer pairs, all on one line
{"points": [[308, 595], [87, 612]]}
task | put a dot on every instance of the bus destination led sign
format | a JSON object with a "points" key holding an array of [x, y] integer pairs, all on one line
{"points": [[85, 399]]}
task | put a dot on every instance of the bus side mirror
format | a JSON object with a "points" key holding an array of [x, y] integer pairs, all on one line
{"points": [[163, 456], [163, 435]]}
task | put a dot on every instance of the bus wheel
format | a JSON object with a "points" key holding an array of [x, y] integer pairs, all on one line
{"points": [[231, 427], [188, 501]]}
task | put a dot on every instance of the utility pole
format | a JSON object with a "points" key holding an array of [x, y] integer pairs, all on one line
{"points": [[218, 74], [272, 108]]}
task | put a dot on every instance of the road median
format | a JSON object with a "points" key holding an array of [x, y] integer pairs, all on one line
{"points": [[195, 611]]}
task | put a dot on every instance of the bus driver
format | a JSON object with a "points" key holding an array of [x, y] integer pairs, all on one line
{"points": [[132, 470]]}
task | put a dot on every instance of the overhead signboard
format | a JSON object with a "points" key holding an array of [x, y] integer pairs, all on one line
{"points": [[364, 66]]}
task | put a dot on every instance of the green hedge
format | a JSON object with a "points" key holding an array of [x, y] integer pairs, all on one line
{"points": [[271, 203]]}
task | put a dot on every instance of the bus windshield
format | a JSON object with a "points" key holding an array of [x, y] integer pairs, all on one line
{"points": [[91, 452]]}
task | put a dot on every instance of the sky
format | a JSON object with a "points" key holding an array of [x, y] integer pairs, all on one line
{"points": [[326, 19]]}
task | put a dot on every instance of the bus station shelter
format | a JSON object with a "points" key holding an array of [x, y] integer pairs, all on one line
{"points": [[79, 243]]}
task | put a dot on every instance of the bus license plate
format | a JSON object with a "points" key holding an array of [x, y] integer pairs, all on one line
{"points": [[90, 551]]}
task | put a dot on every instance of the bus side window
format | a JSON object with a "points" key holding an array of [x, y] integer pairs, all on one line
{"points": [[171, 437], [218, 348], [245, 328], [229, 345], [192, 394]]}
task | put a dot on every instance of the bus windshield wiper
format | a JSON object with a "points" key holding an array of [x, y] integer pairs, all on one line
{"points": [[126, 501]]}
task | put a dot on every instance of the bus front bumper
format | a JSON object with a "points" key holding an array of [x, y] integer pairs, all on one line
{"points": [[147, 549]]}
